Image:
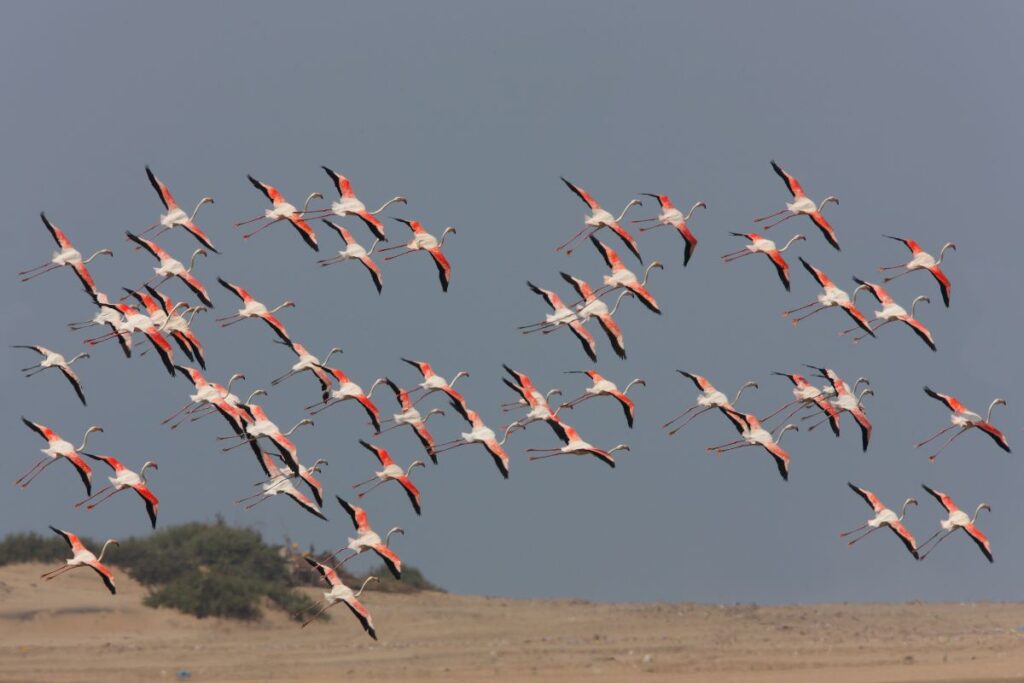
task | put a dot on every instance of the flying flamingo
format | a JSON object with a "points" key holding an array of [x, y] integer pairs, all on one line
{"points": [[958, 519], [391, 472], [709, 398], [279, 483], [410, 416], [309, 362], [892, 311], [67, 256], [254, 308], [125, 478], [175, 216], [965, 420], [802, 206], [670, 216], [367, 539], [209, 394], [483, 435], [623, 277], [109, 317], [531, 397], [134, 321], [593, 307], [884, 517], [760, 245], [806, 395], [306, 474], [354, 250], [177, 326], [423, 240], [347, 389], [171, 267], [755, 435], [341, 593], [262, 427], [846, 400], [433, 382], [829, 297], [922, 260], [575, 445], [599, 218], [83, 557], [561, 315], [282, 211], [59, 448], [604, 387], [350, 205], [52, 359]]}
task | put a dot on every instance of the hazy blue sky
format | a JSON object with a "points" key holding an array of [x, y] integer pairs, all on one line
{"points": [[910, 113]]}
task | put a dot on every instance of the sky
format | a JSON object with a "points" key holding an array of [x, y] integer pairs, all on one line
{"points": [[908, 113]]}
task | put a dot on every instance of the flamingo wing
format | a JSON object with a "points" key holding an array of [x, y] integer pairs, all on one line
{"points": [[865, 427], [152, 502], [359, 519], [923, 332], [343, 232], [304, 501], [375, 274], [58, 235], [781, 458], [499, 456], [628, 407], [614, 334], [342, 183], [627, 239], [870, 498], [371, 410], [326, 571], [236, 290], [307, 233], [950, 401], [876, 291], [196, 286], [105, 574], [393, 562], [905, 536], [910, 244], [645, 297], [444, 269], [826, 229], [269, 191], [162, 347], [85, 277], [781, 266], [275, 324], [608, 254], [981, 540], [412, 492], [363, 615], [149, 245], [862, 322], [691, 243], [833, 414], [380, 453], [73, 541], [996, 435], [552, 299], [944, 498], [944, 284], [581, 287], [165, 194], [375, 226], [196, 232], [817, 273], [75, 382], [702, 382], [582, 194], [791, 182], [426, 438]]}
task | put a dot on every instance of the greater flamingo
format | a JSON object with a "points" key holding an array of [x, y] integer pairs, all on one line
{"points": [[175, 216], [965, 420], [52, 359], [623, 277], [802, 206], [601, 386], [171, 267], [254, 308], [535, 400], [830, 296], [67, 256], [354, 250], [709, 398], [125, 478], [134, 321], [56, 449], [806, 395], [424, 241], [575, 445], [279, 483], [106, 316], [350, 205], [309, 363], [756, 435], [761, 245], [83, 557], [282, 211], [561, 315], [483, 435], [410, 416], [599, 218], [892, 312], [922, 260], [433, 382], [883, 517], [349, 390], [368, 539], [846, 400], [341, 593], [593, 307], [958, 519], [391, 472], [670, 216]]}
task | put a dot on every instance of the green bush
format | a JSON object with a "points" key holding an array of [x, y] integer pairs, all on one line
{"points": [[34, 548]]}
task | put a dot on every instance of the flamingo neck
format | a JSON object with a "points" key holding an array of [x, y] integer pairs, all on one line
{"points": [[386, 204], [373, 246], [619, 301], [103, 551], [692, 208]]}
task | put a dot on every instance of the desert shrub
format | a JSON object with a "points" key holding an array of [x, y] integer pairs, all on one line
{"points": [[33, 547]]}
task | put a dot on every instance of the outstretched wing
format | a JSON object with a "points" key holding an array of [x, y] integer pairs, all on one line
{"points": [[870, 498], [791, 182]]}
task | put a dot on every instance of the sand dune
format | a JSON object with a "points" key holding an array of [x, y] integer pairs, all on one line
{"points": [[71, 629]]}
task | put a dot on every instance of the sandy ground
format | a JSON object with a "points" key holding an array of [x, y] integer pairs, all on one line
{"points": [[73, 630]]}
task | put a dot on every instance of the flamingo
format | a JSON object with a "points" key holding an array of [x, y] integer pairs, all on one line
{"points": [[709, 398], [670, 216], [217, 397], [254, 308], [604, 387], [483, 435], [830, 296], [536, 401], [282, 211], [755, 435], [109, 317], [806, 394], [391, 472], [83, 557], [599, 218], [52, 359], [177, 326], [922, 260], [368, 539], [593, 307], [305, 474], [354, 250], [410, 416], [279, 483], [125, 478], [761, 245], [262, 427], [350, 205], [575, 445], [892, 311], [847, 401], [433, 382], [965, 420], [134, 321], [423, 240], [623, 277], [309, 362], [171, 267], [958, 519], [67, 256], [59, 448], [803, 206], [884, 517], [175, 217], [341, 593], [561, 315], [347, 389]]}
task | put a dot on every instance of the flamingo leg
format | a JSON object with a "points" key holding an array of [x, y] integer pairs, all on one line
{"points": [[765, 419], [934, 436], [785, 419], [364, 483], [24, 476], [844, 534], [785, 314], [41, 272], [893, 277], [719, 451], [317, 614], [781, 220], [648, 220], [250, 506], [930, 538], [33, 371], [857, 339], [85, 500], [882, 269], [542, 457], [729, 258], [29, 480], [323, 407], [576, 236], [796, 321], [943, 538], [177, 413], [32, 270], [255, 495], [771, 215], [401, 253], [105, 498], [681, 415], [251, 220], [56, 572], [689, 420], [371, 488], [283, 377], [231, 448], [260, 229], [445, 448], [237, 320], [864, 535], [951, 440]]}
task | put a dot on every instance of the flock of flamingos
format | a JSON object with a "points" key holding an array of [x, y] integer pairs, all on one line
{"points": [[153, 314]]}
